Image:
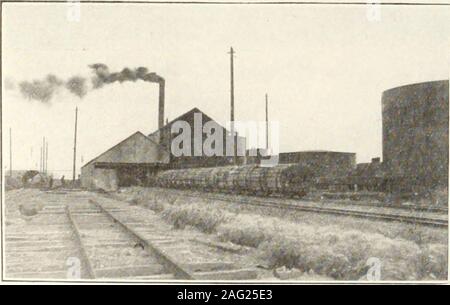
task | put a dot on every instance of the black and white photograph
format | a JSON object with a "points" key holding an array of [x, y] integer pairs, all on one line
{"points": [[225, 142]]}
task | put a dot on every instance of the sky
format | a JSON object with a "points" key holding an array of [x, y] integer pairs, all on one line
{"points": [[324, 68]]}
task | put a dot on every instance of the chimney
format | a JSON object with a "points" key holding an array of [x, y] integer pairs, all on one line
{"points": [[162, 84]]}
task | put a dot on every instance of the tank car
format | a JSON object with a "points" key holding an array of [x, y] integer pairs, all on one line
{"points": [[285, 180]]}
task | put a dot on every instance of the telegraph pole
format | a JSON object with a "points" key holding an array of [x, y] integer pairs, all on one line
{"points": [[46, 157], [43, 155], [232, 104], [10, 153], [40, 161], [75, 145], [267, 123]]}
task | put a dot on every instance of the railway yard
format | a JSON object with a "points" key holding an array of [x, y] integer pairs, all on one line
{"points": [[156, 234]]}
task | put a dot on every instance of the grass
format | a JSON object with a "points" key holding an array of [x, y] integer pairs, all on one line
{"points": [[324, 247], [206, 219]]}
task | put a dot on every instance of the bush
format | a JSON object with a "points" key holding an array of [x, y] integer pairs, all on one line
{"points": [[247, 230], [324, 249], [202, 217], [334, 252]]}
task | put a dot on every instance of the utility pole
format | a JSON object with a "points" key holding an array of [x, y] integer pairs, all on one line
{"points": [[10, 153], [75, 145], [40, 161], [43, 155], [267, 123], [232, 104], [46, 157]]}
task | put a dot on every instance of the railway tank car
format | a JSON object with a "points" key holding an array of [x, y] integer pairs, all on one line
{"points": [[284, 179]]}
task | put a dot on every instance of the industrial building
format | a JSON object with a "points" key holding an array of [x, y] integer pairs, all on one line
{"points": [[133, 161], [415, 148], [415, 135], [165, 135], [323, 163]]}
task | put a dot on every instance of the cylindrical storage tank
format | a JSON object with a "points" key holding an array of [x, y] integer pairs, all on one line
{"points": [[415, 135]]}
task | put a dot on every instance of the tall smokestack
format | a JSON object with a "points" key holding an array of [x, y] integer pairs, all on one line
{"points": [[162, 84]]}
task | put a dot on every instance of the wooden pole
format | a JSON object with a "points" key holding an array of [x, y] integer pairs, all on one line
{"points": [[43, 155], [46, 157], [267, 122], [232, 103], [10, 152], [40, 161], [75, 145]]}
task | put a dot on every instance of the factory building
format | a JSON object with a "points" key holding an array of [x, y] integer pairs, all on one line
{"points": [[323, 163], [131, 162], [415, 135], [195, 118], [135, 160]]}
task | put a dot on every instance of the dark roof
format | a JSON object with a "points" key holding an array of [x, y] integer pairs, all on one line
{"points": [[184, 115]]}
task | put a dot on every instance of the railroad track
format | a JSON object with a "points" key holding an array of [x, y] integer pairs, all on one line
{"points": [[82, 236], [112, 250], [413, 208], [154, 252], [426, 221]]}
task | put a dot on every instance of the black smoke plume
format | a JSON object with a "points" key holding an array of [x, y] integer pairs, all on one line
{"points": [[44, 90], [103, 76]]}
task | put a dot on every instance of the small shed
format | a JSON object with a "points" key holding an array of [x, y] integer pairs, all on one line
{"points": [[133, 161]]}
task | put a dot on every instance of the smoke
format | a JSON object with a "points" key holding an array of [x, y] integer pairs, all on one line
{"points": [[77, 85], [103, 76], [41, 90], [44, 90]]}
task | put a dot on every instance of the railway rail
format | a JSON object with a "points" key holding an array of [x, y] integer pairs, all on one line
{"points": [[107, 239], [412, 207], [160, 265], [297, 206]]}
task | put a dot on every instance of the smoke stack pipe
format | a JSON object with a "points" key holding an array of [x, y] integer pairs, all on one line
{"points": [[162, 84]]}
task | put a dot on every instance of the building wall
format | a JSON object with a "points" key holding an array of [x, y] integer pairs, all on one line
{"points": [[99, 178], [415, 132], [134, 150], [323, 163], [166, 137]]}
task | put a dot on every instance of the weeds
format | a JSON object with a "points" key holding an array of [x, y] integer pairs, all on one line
{"points": [[330, 250]]}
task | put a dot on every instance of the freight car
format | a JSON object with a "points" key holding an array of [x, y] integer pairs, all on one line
{"points": [[286, 179]]}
